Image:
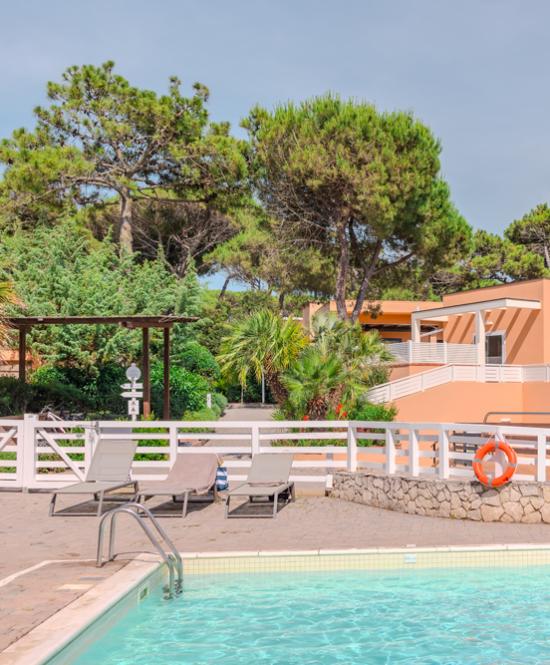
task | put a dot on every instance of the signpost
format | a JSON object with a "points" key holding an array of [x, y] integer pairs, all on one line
{"points": [[133, 391]]}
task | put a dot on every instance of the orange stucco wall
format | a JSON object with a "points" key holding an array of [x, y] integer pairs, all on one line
{"points": [[526, 331], [470, 401]]}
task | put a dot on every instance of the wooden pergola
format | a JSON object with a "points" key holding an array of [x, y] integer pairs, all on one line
{"points": [[24, 323]]}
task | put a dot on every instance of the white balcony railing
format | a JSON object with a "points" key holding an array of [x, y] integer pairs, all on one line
{"points": [[388, 392], [442, 353]]}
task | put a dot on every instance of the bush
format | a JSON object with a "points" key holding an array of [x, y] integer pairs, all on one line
{"points": [[201, 414], [368, 411], [219, 403], [187, 390], [17, 398], [198, 359], [101, 388]]}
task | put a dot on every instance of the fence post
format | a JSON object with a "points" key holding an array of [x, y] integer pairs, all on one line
{"points": [[541, 458], [91, 434], [255, 439], [28, 456], [443, 454], [414, 462], [390, 452], [173, 442], [352, 447]]}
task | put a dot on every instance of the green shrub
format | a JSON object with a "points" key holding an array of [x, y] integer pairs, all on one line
{"points": [[197, 358], [187, 389], [17, 398], [201, 414], [365, 411], [219, 402], [368, 411], [101, 388]]}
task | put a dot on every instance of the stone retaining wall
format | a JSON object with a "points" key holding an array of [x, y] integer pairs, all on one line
{"points": [[520, 501]]}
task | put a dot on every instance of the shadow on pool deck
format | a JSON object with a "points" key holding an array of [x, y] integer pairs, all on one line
{"points": [[30, 537]]}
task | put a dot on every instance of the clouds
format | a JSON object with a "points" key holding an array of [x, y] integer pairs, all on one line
{"points": [[475, 71]]}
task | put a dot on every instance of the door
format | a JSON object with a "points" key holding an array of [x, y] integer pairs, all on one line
{"points": [[494, 349]]}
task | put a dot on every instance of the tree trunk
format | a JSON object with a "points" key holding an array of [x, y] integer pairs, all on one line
{"points": [[317, 408], [282, 302], [224, 287], [546, 256], [342, 275], [125, 230], [362, 293], [277, 389]]}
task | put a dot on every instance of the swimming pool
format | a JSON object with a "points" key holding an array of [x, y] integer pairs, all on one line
{"points": [[471, 615]]}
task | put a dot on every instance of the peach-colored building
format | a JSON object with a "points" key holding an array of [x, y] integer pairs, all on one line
{"points": [[472, 353]]}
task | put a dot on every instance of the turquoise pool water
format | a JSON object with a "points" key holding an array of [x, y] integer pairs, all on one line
{"points": [[481, 616]]}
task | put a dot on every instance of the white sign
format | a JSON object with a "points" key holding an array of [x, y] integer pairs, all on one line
{"points": [[133, 407], [132, 386], [132, 394]]}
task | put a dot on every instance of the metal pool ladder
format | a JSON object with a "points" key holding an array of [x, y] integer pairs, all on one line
{"points": [[172, 559]]}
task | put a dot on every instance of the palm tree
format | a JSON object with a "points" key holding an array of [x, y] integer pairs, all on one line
{"points": [[264, 344], [313, 382], [339, 367], [363, 354]]}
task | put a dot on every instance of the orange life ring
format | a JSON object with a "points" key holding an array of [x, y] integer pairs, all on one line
{"points": [[490, 447]]}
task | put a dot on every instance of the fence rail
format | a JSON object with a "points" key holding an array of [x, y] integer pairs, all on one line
{"points": [[38, 454]]}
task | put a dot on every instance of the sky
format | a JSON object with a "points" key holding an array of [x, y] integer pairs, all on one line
{"points": [[475, 71]]}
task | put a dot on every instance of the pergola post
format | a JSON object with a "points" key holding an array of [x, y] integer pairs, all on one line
{"points": [[166, 359], [23, 354], [145, 370]]}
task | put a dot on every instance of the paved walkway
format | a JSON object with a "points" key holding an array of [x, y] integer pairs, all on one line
{"points": [[236, 413]]}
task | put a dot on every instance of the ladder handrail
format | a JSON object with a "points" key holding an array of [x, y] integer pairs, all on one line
{"points": [[172, 560]]}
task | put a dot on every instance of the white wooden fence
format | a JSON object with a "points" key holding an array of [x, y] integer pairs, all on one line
{"points": [[387, 392], [43, 454], [443, 353]]}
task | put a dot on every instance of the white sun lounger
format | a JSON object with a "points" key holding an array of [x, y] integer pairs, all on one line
{"points": [[190, 474], [109, 470], [268, 477]]}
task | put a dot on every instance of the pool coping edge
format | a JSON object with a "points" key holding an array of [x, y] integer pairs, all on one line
{"points": [[50, 637]]}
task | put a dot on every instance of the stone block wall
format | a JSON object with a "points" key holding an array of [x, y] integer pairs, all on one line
{"points": [[521, 501]]}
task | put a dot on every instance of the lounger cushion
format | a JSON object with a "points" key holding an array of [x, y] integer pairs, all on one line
{"points": [[191, 472]]}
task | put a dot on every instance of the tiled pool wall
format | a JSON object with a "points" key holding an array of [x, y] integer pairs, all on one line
{"points": [[375, 559], [527, 502]]}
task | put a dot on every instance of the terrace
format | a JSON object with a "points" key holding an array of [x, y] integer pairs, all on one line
{"points": [[48, 563]]}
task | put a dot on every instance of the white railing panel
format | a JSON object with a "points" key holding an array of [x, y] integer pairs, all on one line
{"points": [[53, 457]]}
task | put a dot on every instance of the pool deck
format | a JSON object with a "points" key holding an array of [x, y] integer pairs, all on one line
{"points": [[67, 544]]}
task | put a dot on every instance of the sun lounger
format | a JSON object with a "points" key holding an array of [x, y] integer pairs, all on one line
{"points": [[268, 477], [191, 473], [109, 470]]}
